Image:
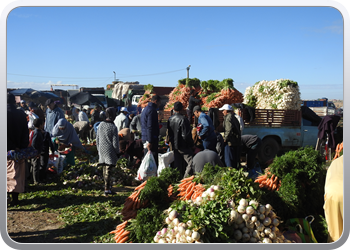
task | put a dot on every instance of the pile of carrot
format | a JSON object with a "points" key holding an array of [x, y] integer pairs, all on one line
{"points": [[133, 203], [190, 190], [272, 183], [120, 234], [338, 150]]}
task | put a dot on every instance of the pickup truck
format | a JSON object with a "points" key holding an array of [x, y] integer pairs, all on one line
{"points": [[321, 107], [280, 129]]}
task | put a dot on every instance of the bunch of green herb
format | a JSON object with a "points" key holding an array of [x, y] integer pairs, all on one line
{"points": [[147, 222]]}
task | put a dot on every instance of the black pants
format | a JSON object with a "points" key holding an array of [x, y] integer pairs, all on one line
{"points": [[181, 155], [251, 155], [39, 165]]}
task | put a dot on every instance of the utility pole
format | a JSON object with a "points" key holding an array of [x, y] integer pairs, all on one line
{"points": [[188, 71]]}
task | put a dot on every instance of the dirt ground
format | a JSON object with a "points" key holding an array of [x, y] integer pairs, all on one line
{"points": [[33, 227], [38, 226]]}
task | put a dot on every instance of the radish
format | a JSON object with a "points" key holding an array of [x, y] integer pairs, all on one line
{"points": [[243, 202], [267, 221], [250, 210], [195, 236], [176, 222], [234, 215], [262, 209], [167, 220], [156, 239], [267, 240], [237, 235], [241, 209], [275, 222], [173, 214], [245, 217], [245, 237]]}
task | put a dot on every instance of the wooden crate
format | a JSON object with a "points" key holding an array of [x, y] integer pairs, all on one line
{"points": [[273, 118]]}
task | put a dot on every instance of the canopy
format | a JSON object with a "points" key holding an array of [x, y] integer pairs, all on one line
{"points": [[84, 98]]}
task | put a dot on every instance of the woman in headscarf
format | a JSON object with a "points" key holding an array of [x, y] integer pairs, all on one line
{"points": [[65, 136], [107, 143]]}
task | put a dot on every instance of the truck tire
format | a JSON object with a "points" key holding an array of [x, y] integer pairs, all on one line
{"points": [[268, 150]]}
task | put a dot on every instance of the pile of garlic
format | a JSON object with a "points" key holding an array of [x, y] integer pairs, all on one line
{"points": [[255, 223], [278, 94]]}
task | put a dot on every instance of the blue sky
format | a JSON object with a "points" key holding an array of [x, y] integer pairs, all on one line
{"points": [[154, 45]]}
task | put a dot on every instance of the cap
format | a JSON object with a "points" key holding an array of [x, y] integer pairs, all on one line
{"points": [[22, 101], [48, 102], [226, 107], [178, 106], [123, 109], [197, 108]]}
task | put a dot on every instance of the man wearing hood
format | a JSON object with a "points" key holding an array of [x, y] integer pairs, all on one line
{"points": [[53, 114]]}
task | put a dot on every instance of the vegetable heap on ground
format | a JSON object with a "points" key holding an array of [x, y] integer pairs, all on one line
{"points": [[278, 94], [213, 93], [201, 212]]}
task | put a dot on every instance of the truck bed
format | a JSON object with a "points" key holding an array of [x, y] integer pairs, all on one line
{"points": [[273, 118]]}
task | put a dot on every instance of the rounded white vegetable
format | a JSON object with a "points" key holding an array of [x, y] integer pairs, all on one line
{"points": [[240, 226], [199, 200], [256, 233], [181, 230], [275, 222], [272, 215], [262, 217], [159, 233], [173, 214], [162, 241], [249, 224], [205, 194], [254, 219], [260, 228], [250, 210], [253, 202], [262, 234], [189, 239], [216, 188], [243, 202], [167, 220], [210, 190], [241, 209], [239, 219], [257, 223], [262, 209], [188, 232], [156, 239], [245, 217], [267, 221], [268, 207], [253, 240], [245, 237], [231, 204], [212, 195], [237, 234], [267, 230], [195, 236], [189, 223], [176, 222], [245, 230], [233, 215], [272, 235], [266, 240], [163, 231]]}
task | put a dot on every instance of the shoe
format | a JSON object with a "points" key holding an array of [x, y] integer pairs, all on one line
{"points": [[109, 192]]}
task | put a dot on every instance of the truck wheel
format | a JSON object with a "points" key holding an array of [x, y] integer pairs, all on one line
{"points": [[268, 150]]}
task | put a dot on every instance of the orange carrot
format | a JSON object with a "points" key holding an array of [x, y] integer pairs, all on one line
{"points": [[141, 185], [122, 224], [123, 240], [187, 179]]}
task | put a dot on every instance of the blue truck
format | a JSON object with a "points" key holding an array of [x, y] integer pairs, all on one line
{"points": [[280, 129]]}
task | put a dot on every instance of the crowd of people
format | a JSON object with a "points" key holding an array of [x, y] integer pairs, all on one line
{"points": [[37, 131]]}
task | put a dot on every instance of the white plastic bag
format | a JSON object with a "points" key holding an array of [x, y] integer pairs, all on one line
{"points": [[147, 168], [165, 160], [61, 163]]}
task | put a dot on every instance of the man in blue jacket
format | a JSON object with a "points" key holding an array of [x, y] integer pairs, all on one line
{"points": [[53, 114], [150, 126], [205, 128]]}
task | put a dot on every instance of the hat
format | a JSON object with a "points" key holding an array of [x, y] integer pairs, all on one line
{"points": [[31, 105], [226, 107], [123, 109], [22, 101], [178, 106], [48, 102], [197, 108]]}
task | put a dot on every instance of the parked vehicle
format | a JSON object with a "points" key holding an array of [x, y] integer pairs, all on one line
{"points": [[280, 129], [321, 107]]}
